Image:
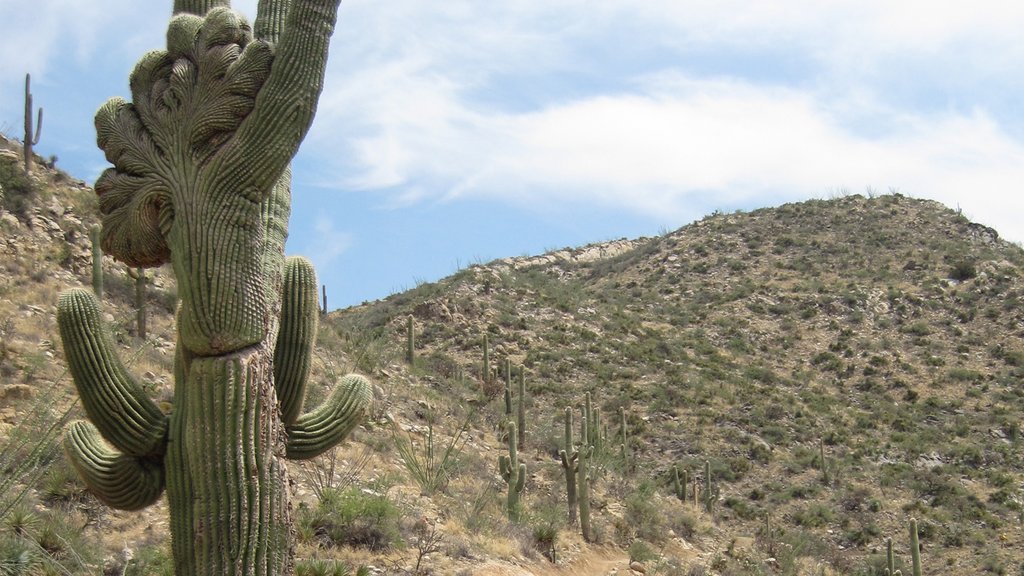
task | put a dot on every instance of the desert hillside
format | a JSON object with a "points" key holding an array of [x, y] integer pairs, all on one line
{"points": [[824, 371]]}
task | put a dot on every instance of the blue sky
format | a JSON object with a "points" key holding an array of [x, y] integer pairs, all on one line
{"points": [[461, 131]]}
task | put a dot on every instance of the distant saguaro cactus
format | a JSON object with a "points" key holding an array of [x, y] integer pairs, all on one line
{"points": [[97, 262], [513, 472], [31, 136], [139, 276], [915, 549], [521, 408], [583, 478], [201, 179]]}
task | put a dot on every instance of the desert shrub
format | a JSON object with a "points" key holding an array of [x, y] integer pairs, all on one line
{"points": [[644, 515], [352, 517], [18, 192]]}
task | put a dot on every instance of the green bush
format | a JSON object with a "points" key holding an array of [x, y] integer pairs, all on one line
{"points": [[18, 192], [354, 518]]}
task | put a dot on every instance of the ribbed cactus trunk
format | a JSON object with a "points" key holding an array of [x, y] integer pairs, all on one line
{"points": [[583, 477], [201, 179]]}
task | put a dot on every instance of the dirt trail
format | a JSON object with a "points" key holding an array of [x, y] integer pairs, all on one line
{"points": [[599, 563]]}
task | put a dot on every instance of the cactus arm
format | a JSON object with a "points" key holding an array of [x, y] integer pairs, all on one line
{"points": [[503, 468], [287, 101], [118, 480], [323, 428], [296, 337], [115, 403]]}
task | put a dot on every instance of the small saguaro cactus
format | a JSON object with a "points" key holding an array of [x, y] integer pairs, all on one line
{"points": [[97, 262], [31, 136], [410, 341], [512, 472], [508, 390], [915, 549], [570, 463], [711, 490], [323, 310], [680, 482], [890, 558], [586, 451], [139, 276]]}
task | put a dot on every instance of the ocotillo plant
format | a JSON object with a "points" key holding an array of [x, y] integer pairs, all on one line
{"points": [[512, 472], [624, 436], [139, 276], [521, 409], [97, 262], [586, 451], [31, 136], [570, 463], [410, 341], [201, 179], [825, 479]]}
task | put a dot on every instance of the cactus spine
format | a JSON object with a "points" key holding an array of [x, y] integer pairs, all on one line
{"points": [[410, 341], [97, 262], [570, 463], [31, 136], [513, 473], [139, 275], [915, 549], [201, 180]]}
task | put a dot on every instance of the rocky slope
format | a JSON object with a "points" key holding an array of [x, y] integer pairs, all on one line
{"points": [[883, 332]]}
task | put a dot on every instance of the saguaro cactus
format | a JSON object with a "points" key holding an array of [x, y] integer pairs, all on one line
{"points": [[31, 136], [512, 472], [97, 262], [679, 482], [624, 446], [583, 478], [323, 310], [570, 463], [139, 276], [487, 360], [201, 179]]}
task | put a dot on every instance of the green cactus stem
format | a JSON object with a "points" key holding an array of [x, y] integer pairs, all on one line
{"points": [[521, 409], [680, 482], [915, 549], [513, 473], [410, 341], [711, 490], [31, 136], [97, 262], [139, 276], [570, 464], [583, 478], [201, 180], [890, 558]]}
